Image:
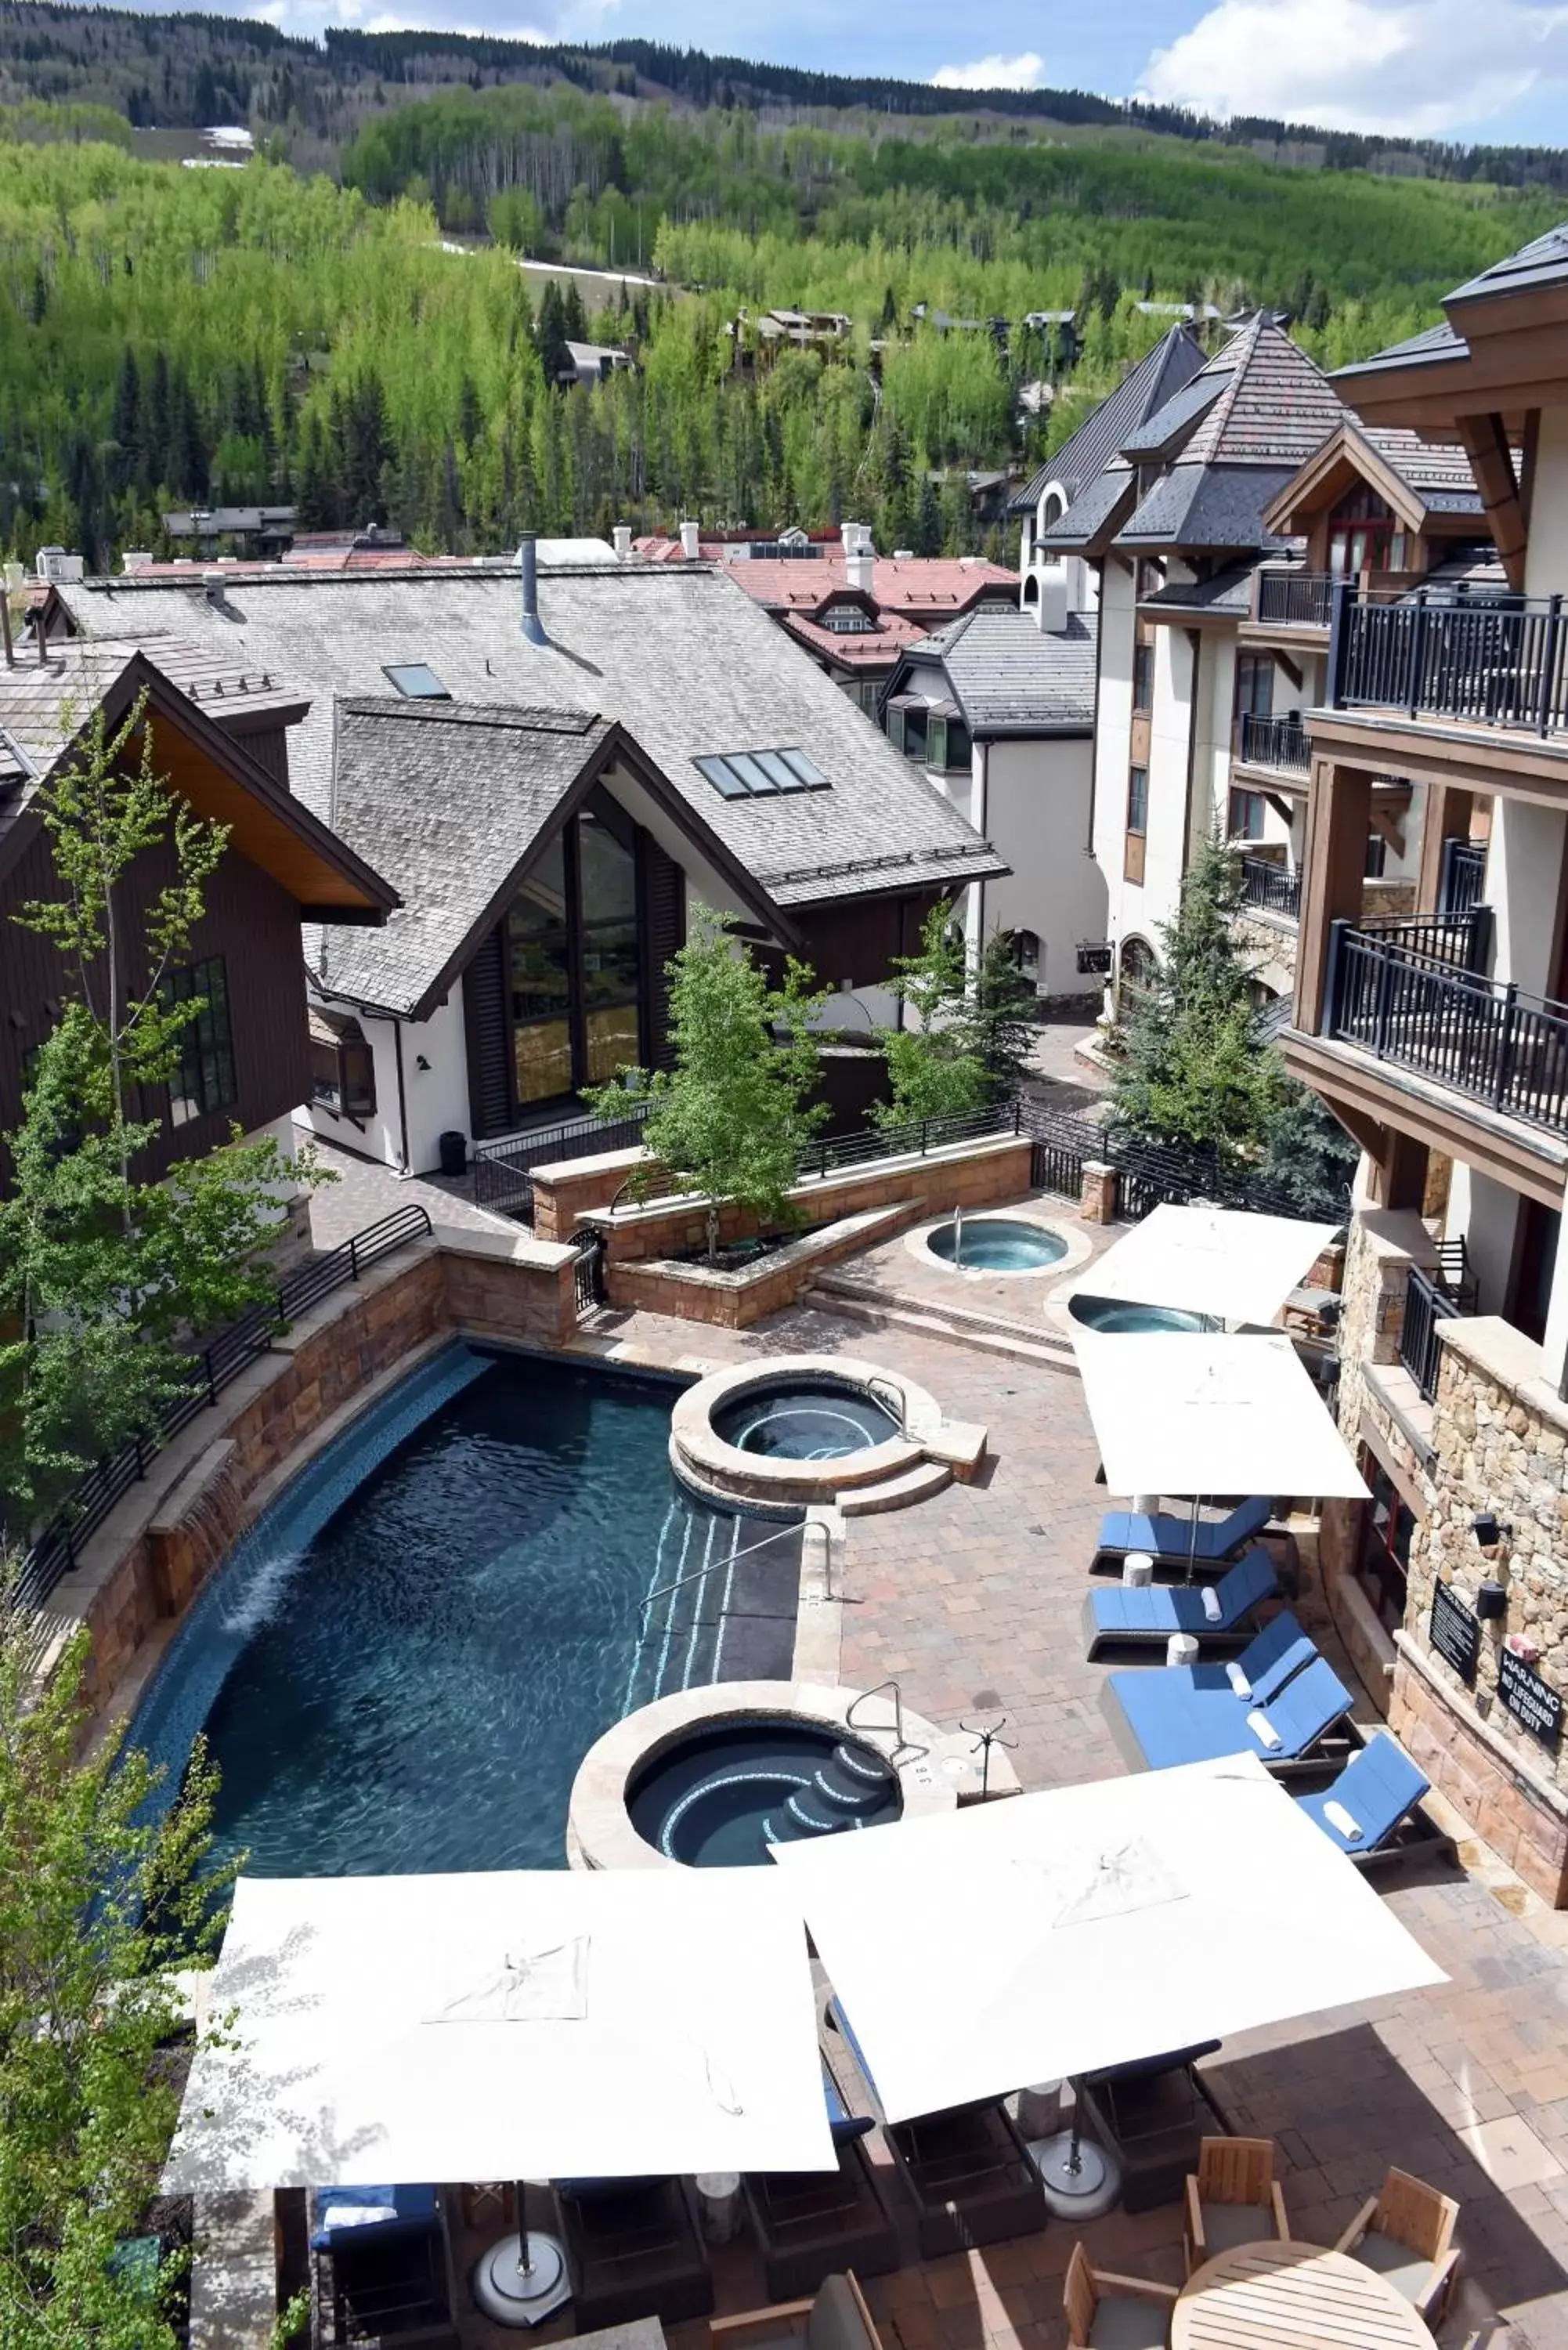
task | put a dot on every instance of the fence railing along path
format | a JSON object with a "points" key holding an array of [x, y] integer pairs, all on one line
{"points": [[57, 1547]]}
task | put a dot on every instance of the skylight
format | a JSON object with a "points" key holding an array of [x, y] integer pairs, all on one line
{"points": [[760, 775], [415, 680]]}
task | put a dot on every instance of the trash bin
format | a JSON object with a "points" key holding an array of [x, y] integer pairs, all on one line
{"points": [[453, 1148]]}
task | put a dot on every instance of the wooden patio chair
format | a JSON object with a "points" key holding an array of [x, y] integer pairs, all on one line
{"points": [[835, 2318], [1107, 2311], [1406, 2234], [1234, 2199]]}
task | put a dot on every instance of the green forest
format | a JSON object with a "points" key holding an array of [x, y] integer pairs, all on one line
{"points": [[373, 348]]}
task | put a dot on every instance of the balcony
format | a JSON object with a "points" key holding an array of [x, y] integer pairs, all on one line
{"points": [[1470, 659], [1270, 888], [1443, 1295], [1429, 1012], [1278, 744], [1288, 598]]}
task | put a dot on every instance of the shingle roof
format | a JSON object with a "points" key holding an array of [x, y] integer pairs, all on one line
{"points": [[1162, 371], [1205, 506], [445, 801], [1438, 472], [1276, 406], [920, 585], [1430, 347], [1094, 513], [687, 666], [1153, 437], [1542, 262], [42, 703], [1010, 677], [1228, 591]]}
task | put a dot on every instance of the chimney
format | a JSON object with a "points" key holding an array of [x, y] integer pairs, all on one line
{"points": [[690, 544], [5, 629], [861, 569], [135, 559], [856, 537], [1051, 598], [212, 585], [528, 570], [621, 535]]}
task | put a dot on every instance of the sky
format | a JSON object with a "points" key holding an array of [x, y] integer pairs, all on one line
{"points": [[1495, 70]]}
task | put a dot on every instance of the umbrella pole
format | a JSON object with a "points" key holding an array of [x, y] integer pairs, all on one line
{"points": [[1192, 1539], [1079, 2179], [521, 2280]]}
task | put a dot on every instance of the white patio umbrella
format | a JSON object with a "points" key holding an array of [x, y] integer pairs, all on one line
{"points": [[1220, 1260], [545, 2025], [1039, 1937], [1198, 1415]]}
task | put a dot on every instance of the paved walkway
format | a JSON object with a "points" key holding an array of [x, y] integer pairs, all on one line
{"points": [[973, 1601]]}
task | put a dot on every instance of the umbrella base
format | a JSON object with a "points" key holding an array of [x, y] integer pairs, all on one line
{"points": [[1077, 2184], [514, 2295]]}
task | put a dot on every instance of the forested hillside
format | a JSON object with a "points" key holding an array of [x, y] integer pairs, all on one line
{"points": [[376, 350]]}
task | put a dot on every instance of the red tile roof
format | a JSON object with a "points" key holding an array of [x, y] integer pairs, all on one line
{"points": [[929, 589]]}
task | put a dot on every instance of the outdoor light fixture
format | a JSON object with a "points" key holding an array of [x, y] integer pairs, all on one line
{"points": [[1488, 1532], [1491, 1601], [421, 1063]]}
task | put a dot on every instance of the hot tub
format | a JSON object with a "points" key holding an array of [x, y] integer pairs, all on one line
{"points": [[718, 1796], [996, 1244], [800, 1417], [1127, 1319]]}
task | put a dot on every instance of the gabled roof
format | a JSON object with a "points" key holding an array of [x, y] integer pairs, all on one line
{"points": [[688, 667], [1162, 371], [42, 725], [453, 801], [1008, 676], [932, 588], [42, 704], [1424, 482], [1542, 262], [1091, 522]]}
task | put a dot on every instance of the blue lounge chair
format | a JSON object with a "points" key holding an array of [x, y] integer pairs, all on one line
{"points": [[1219, 1614], [1191, 1694], [1377, 1791], [1160, 1720], [1170, 1540]]}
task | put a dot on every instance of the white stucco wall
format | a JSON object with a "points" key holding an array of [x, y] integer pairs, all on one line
{"points": [[1546, 561], [436, 1098], [1113, 734], [1523, 873], [1037, 817]]}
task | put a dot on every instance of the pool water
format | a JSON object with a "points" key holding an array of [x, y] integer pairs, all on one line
{"points": [[997, 1245], [401, 1670], [814, 1420], [1126, 1320], [717, 1798]]}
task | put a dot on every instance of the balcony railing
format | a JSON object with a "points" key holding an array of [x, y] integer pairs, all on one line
{"points": [[1495, 1044], [1272, 888], [1433, 1297], [1463, 876], [1295, 599], [1479, 660], [1462, 941], [1279, 743]]}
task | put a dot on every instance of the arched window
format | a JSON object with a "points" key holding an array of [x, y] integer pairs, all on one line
{"points": [[1136, 964]]}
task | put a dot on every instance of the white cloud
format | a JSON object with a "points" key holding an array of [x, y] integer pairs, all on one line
{"points": [[1025, 72], [1420, 67]]}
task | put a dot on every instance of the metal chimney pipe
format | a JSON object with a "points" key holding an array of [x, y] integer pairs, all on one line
{"points": [[6, 627], [691, 543], [622, 539], [528, 571]]}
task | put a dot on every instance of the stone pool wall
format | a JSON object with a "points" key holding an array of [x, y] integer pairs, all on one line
{"points": [[140, 1571]]}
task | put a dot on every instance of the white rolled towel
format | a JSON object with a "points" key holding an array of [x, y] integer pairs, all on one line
{"points": [[1211, 1607], [1238, 1680], [1338, 1817], [1262, 1729]]}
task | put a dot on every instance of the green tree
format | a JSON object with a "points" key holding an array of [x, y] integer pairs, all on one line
{"points": [[1191, 1071], [1001, 1027], [1307, 1154], [105, 1273], [104, 1895], [730, 1121], [933, 1067]]}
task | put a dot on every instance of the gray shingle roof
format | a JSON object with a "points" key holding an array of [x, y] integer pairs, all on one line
{"points": [[1276, 405], [445, 801], [677, 653], [1228, 591], [1542, 262], [1153, 437], [1433, 345], [1094, 512], [1203, 506], [42, 703], [1010, 677], [1161, 372]]}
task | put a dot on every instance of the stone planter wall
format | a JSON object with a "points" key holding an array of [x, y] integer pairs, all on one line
{"points": [[734, 1300], [564, 1192]]}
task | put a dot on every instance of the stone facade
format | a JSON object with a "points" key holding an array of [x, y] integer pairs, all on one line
{"points": [[734, 1300], [1268, 942]]}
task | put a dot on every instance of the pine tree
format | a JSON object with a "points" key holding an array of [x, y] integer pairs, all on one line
{"points": [[933, 1068], [1000, 1027]]}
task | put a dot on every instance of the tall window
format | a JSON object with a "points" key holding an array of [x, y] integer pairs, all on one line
{"points": [[573, 958], [1143, 678], [608, 883], [203, 1076], [1387, 1525], [1360, 534], [1254, 685], [540, 974], [1246, 816], [1137, 800]]}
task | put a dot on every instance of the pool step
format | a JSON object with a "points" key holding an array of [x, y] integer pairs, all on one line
{"points": [[840, 1794], [988, 1334], [916, 1484]]}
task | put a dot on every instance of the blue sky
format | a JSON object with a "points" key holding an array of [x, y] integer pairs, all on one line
{"points": [[1488, 70]]}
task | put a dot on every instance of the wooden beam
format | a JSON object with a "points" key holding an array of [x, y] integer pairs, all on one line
{"points": [[1448, 817], [1293, 670], [1385, 827], [1338, 815], [1485, 444]]}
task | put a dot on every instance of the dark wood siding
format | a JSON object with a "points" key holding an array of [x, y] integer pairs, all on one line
{"points": [[484, 1029], [859, 940], [663, 929], [250, 921]]}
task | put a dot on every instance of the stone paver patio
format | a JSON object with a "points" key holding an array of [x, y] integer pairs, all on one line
{"points": [[973, 1602]]}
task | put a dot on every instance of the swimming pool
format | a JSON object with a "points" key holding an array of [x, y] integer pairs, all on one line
{"points": [[401, 1667]]}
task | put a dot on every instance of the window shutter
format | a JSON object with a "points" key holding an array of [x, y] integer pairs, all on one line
{"points": [[665, 901], [485, 1021]]}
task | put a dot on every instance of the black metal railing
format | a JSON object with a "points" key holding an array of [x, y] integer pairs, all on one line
{"points": [[57, 1548], [1441, 1293], [1278, 742], [1463, 876], [1463, 942], [588, 1271], [1273, 889], [1295, 599], [1496, 1044], [503, 1170], [1487, 660], [920, 1138]]}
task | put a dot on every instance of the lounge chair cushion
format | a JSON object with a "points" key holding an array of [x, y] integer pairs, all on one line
{"points": [[1226, 2225], [1165, 1535], [1376, 1788], [1152, 1611], [1406, 2271], [1125, 2321], [1171, 1716], [836, 2323]]}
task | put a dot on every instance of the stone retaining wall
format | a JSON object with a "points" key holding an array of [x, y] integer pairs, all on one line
{"points": [[732, 1301]]}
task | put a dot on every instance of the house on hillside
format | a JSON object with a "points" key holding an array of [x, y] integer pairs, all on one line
{"points": [[1083, 458], [856, 612], [592, 363], [219, 725], [1441, 1043], [558, 764], [998, 710]]}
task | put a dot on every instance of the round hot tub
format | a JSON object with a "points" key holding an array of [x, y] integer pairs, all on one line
{"points": [[1126, 1319], [717, 1797], [996, 1244], [801, 1417]]}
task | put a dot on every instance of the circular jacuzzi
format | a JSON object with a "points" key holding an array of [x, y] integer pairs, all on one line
{"points": [[718, 1796], [1124, 1318], [804, 1418], [996, 1244]]}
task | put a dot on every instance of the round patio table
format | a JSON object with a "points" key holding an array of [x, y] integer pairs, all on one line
{"points": [[1274, 2296]]}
